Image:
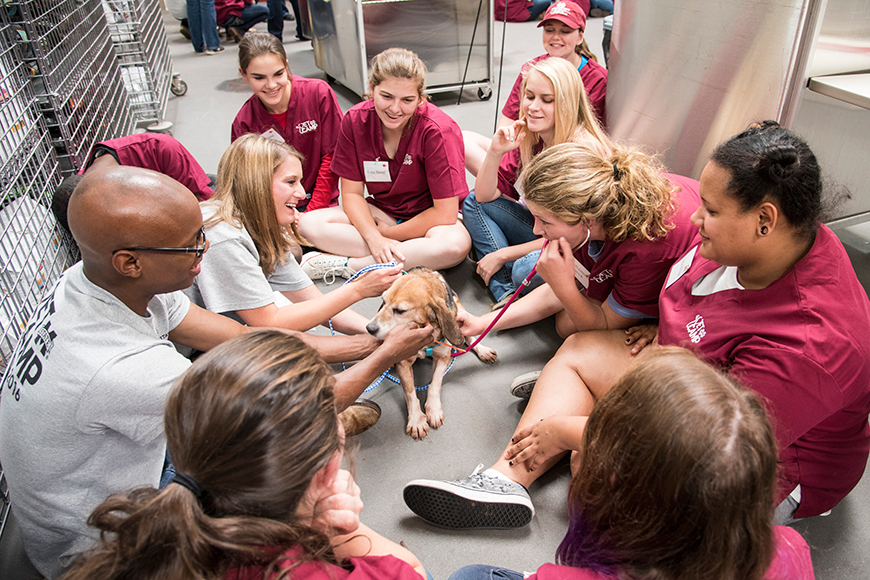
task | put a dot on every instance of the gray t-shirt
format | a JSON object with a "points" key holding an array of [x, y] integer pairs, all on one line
{"points": [[231, 278], [81, 414]]}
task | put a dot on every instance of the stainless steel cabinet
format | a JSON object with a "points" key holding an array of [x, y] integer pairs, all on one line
{"points": [[348, 33]]}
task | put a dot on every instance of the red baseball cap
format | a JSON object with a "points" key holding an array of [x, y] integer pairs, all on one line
{"points": [[566, 12]]}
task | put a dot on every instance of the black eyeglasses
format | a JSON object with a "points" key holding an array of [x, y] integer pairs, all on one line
{"points": [[198, 249]]}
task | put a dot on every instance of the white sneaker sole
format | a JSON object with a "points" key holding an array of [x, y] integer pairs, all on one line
{"points": [[522, 386]]}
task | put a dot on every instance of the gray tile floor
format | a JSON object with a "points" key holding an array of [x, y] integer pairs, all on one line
{"points": [[480, 412]]}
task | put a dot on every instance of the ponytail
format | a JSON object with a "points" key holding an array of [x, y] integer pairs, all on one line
{"points": [[624, 192]]}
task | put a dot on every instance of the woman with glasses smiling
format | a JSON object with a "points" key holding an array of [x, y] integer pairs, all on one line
{"points": [[251, 224]]}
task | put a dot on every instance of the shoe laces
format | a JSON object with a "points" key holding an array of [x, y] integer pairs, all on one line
{"points": [[486, 482], [330, 275]]}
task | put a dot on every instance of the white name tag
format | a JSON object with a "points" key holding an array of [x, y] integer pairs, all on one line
{"points": [[681, 267], [273, 135], [581, 274], [377, 171]]}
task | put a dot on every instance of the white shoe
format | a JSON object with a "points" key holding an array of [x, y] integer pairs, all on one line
{"points": [[318, 265], [477, 501], [523, 385]]}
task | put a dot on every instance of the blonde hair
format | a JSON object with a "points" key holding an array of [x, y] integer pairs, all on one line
{"points": [[398, 63], [624, 192], [574, 118], [244, 196]]}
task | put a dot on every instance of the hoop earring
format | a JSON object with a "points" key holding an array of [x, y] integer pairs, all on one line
{"points": [[764, 230]]}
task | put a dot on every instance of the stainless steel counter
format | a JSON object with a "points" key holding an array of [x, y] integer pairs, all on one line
{"points": [[853, 89]]}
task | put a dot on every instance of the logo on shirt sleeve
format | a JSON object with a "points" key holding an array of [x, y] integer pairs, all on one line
{"points": [[696, 329], [306, 127], [602, 276]]}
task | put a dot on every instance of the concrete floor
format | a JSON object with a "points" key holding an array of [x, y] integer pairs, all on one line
{"points": [[480, 412]]}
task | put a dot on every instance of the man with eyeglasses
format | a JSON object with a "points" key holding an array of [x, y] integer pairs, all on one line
{"points": [[81, 413]]}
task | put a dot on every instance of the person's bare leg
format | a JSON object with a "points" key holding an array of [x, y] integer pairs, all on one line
{"points": [[582, 371], [330, 230], [442, 247]]}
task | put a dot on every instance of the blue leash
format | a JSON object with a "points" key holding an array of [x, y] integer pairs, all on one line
{"points": [[387, 374]]}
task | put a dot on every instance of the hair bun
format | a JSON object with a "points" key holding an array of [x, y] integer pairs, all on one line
{"points": [[779, 161]]}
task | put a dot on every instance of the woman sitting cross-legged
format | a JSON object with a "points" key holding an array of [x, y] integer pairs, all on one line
{"points": [[407, 156]]}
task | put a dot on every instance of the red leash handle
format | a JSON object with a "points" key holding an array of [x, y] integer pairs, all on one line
{"points": [[501, 312]]}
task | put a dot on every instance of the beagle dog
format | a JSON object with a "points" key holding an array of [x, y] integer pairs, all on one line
{"points": [[422, 296]]}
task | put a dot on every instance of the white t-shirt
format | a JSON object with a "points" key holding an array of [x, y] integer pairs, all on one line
{"points": [[81, 414], [231, 278]]}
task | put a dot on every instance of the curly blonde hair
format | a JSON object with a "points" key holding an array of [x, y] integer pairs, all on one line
{"points": [[624, 192]]}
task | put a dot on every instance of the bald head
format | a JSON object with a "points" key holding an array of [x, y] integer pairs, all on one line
{"points": [[120, 207]]}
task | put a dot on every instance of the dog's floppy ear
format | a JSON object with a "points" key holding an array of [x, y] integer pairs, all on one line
{"points": [[445, 319], [452, 298]]}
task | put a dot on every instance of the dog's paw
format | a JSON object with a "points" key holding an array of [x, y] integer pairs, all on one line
{"points": [[435, 416], [486, 354], [418, 427]]}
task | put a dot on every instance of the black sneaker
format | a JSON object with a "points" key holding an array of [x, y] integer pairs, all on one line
{"points": [[477, 501]]}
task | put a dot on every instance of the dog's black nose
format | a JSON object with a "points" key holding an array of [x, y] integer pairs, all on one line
{"points": [[372, 328]]}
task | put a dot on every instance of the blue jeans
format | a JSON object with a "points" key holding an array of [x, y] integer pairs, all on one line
{"points": [[498, 224], [168, 471], [602, 4], [277, 8], [202, 21], [538, 7], [483, 572], [251, 15]]}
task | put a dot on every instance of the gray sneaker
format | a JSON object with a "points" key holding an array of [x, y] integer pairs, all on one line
{"points": [[523, 385], [477, 501]]}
